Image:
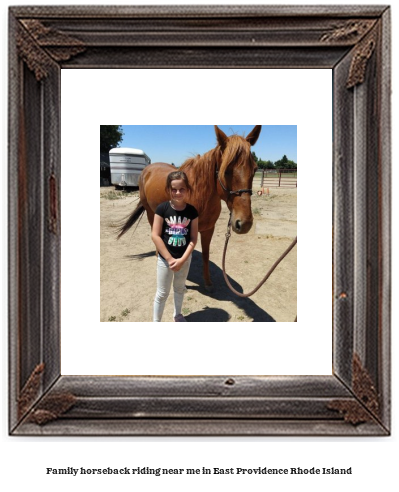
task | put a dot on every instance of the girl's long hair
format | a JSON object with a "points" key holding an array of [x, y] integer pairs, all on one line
{"points": [[176, 175]]}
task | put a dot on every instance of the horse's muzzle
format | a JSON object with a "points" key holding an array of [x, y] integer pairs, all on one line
{"points": [[241, 226]]}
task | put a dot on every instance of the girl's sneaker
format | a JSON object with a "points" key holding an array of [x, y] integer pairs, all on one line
{"points": [[180, 317]]}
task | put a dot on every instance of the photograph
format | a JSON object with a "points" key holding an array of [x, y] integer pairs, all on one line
{"points": [[245, 176]]}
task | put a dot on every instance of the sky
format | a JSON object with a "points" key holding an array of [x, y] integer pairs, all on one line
{"points": [[176, 143]]}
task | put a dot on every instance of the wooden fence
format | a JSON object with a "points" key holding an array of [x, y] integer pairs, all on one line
{"points": [[275, 178]]}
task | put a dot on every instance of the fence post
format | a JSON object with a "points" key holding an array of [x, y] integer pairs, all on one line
{"points": [[263, 178], [279, 178]]}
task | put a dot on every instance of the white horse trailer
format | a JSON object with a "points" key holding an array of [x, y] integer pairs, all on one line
{"points": [[126, 165]]}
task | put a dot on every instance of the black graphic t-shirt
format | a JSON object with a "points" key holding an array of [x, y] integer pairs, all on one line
{"points": [[176, 228]]}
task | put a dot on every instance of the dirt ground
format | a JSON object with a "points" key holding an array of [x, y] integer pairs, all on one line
{"points": [[128, 266]]}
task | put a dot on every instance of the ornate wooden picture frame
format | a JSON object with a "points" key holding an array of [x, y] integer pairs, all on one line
{"points": [[352, 41]]}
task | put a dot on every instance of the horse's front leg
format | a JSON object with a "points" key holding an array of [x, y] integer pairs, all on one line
{"points": [[206, 237]]}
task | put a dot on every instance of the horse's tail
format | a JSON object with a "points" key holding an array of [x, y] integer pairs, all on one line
{"points": [[132, 219]]}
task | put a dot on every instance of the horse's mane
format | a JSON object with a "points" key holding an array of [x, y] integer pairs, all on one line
{"points": [[202, 169]]}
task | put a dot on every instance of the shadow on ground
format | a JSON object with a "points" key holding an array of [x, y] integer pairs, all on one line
{"points": [[141, 256], [221, 293], [208, 314]]}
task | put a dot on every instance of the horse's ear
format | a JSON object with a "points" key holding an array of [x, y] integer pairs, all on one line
{"points": [[254, 135], [221, 137]]}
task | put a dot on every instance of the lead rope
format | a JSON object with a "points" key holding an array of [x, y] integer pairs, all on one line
{"points": [[271, 270]]}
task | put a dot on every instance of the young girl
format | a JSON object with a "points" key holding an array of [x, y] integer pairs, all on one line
{"points": [[174, 233]]}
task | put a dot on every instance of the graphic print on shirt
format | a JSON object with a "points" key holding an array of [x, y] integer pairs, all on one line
{"points": [[177, 230]]}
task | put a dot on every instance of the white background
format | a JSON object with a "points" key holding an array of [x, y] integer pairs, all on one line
{"points": [[291, 97], [373, 460]]}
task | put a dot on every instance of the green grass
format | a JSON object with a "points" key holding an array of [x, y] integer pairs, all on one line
{"points": [[258, 174], [272, 179], [123, 314]]}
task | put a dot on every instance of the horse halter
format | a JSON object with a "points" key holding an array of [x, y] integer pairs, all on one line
{"points": [[235, 192]]}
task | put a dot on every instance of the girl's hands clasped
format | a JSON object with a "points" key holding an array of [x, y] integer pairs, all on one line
{"points": [[176, 264]]}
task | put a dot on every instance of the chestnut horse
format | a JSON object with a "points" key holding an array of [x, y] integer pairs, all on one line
{"points": [[224, 173]]}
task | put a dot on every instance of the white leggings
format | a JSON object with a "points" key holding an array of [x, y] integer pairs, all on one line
{"points": [[164, 281]]}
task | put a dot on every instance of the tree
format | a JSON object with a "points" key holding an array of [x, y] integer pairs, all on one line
{"points": [[265, 164], [255, 157], [262, 164], [282, 163], [110, 137], [285, 163]]}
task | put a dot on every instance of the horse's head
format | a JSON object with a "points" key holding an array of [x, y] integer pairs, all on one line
{"points": [[236, 168]]}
